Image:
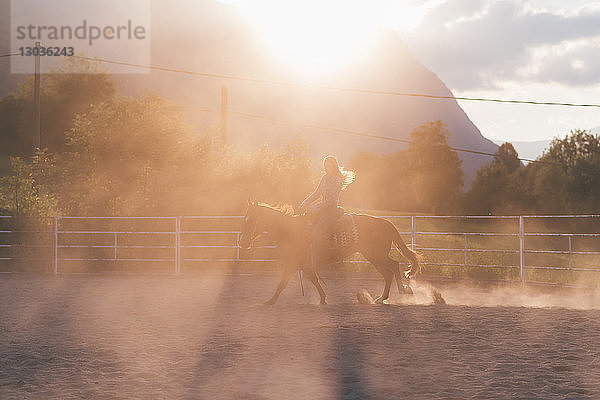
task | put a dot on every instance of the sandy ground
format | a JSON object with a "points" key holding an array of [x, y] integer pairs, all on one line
{"points": [[207, 336]]}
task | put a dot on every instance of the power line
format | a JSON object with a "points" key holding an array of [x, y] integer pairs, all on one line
{"points": [[356, 133], [8, 55], [333, 88]]}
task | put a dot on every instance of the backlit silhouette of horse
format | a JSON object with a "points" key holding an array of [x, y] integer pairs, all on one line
{"points": [[371, 236]]}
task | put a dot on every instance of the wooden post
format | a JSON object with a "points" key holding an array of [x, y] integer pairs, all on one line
{"points": [[224, 105], [465, 235], [413, 229], [37, 129], [570, 252], [55, 254]]}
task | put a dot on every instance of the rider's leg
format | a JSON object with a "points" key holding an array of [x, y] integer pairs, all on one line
{"points": [[320, 228], [315, 242]]}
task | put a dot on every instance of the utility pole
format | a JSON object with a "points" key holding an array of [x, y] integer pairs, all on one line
{"points": [[224, 102], [37, 129]]}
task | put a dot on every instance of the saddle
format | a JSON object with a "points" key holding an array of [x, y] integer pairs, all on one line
{"points": [[344, 232]]}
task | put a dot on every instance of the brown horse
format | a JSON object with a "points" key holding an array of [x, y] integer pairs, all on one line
{"points": [[292, 236]]}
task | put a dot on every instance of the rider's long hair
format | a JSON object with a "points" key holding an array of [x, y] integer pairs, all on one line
{"points": [[345, 175]]}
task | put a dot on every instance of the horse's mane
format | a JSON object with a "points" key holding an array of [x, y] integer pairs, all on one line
{"points": [[285, 209]]}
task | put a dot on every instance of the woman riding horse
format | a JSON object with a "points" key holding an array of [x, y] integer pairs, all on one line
{"points": [[323, 203], [374, 236]]}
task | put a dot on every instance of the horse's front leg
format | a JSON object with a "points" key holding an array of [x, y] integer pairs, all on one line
{"points": [[288, 272], [314, 278]]}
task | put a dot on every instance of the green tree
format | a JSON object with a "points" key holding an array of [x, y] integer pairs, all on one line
{"points": [[568, 177], [425, 177], [138, 156], [433, 170], [69, 90], [496, 187], [29, 190], [124, 156]]}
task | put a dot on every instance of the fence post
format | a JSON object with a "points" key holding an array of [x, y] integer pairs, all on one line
{"points": [[570, 252], [55, 255], [177, 245], [116, 245], [465, 235], [237, 246], [412, 231], [522, 249]]}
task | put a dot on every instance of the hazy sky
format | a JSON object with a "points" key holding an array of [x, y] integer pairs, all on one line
{"points": [[538, 49], [511, 49]]}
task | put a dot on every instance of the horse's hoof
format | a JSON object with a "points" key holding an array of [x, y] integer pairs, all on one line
{"points": [[269, 302], [323, 302], [381, 300]]}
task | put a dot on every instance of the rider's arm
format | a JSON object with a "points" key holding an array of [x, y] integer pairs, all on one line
{"points": [[314, 196]]}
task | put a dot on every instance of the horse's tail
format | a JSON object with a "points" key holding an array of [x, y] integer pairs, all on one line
{"points": [[415, 259]]}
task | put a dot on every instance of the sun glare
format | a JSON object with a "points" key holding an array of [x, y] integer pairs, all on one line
{"points": [[316, 37]]}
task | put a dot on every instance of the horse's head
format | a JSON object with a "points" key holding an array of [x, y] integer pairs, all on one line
{"points": [[252, 227]]}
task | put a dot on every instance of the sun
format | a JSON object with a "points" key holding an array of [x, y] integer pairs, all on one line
{"points": [[316, 37]]}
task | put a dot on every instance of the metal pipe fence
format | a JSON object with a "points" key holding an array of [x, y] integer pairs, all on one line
{"points": [[523, 244]]}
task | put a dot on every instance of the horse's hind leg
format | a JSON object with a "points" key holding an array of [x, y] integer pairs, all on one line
{"points": [[401, 280], [285, 278], [384, 269], [312, 275]]}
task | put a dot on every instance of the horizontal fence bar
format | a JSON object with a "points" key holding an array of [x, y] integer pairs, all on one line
{"points": [[112, 217], [215, 217], [563, 252], [232, 259], [563, 268], [222, 247], [119, 232], [232, 232], [563, 216], [563, 234], [468, 216], [467, 233], [66, 246], [471, 265], [33, 246], [118, 259], [469, 250]]}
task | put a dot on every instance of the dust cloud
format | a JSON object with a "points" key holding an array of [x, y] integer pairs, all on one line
{"points": [[500, 295]]}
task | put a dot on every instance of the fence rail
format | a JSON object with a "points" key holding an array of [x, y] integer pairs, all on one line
{"points": [[504, 242]]}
